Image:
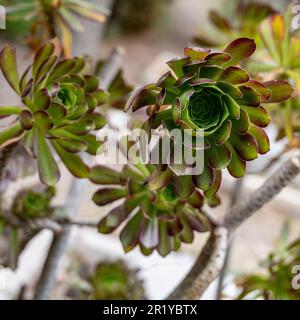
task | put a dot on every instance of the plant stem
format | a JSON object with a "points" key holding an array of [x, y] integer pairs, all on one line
{"points": [[47, 10], [205, 269], [236, 192], [274, 184], [210, 261]]}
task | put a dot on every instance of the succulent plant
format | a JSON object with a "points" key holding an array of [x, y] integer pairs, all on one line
{"points": [[243, 22], [59, 101], [281, 59], [276, 282], [207, 91], [157, 217], [115, 281], [30, 204], [107, 281], [56, 17]]}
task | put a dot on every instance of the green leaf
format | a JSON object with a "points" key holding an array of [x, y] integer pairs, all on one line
{"points": [[57, 112], [250, 97], [144, 96], [26, 120], [61, 69], [223, 133], [72, 161], [218, 156], [259, 116], [183, 186], [130, 234], [43, 120], [244, 145], [112, 220], [72, 146], [164, 245], [205, 180], [48, 169], [8, 64], [236, 166], [159, 179], [261, 139], [211, 72], [91, 83], [216, 184], [230, 89], [177, 64], [104, 175], [240, 49], [45, 68], [232, 107], [107, 195], [196, 53], [218, 58], [28, 143], [43, 55], [176, 111], [41, 99], [261, 89], [10, 133], [234, 75], [280, 90], [242, 124]]}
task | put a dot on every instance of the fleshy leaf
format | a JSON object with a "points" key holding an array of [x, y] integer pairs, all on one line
{"points": [[239, 50], [196, 53], [43, 54], [218, 156], [237, 166], [10, 133], [223, 133], [112, 220], [107, 195], [183, 186], [159, 179], [244, 145], [48, 169], [205, 180], [261, 139], [234, 75], [104, 175], [130, 234], [259, 116], [72, 161], [281, 90], [8, 64]]}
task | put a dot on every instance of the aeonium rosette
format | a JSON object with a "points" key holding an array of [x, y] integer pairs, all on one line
{"points": [[155, 218], [207, 91], [58, 109]]}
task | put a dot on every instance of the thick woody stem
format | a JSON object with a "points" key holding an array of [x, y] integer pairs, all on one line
{"points": [[279, 180], [205, 269], [211, 258]]}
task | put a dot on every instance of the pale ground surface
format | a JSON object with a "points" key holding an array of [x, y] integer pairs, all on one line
{"points": [[252, 241]]}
